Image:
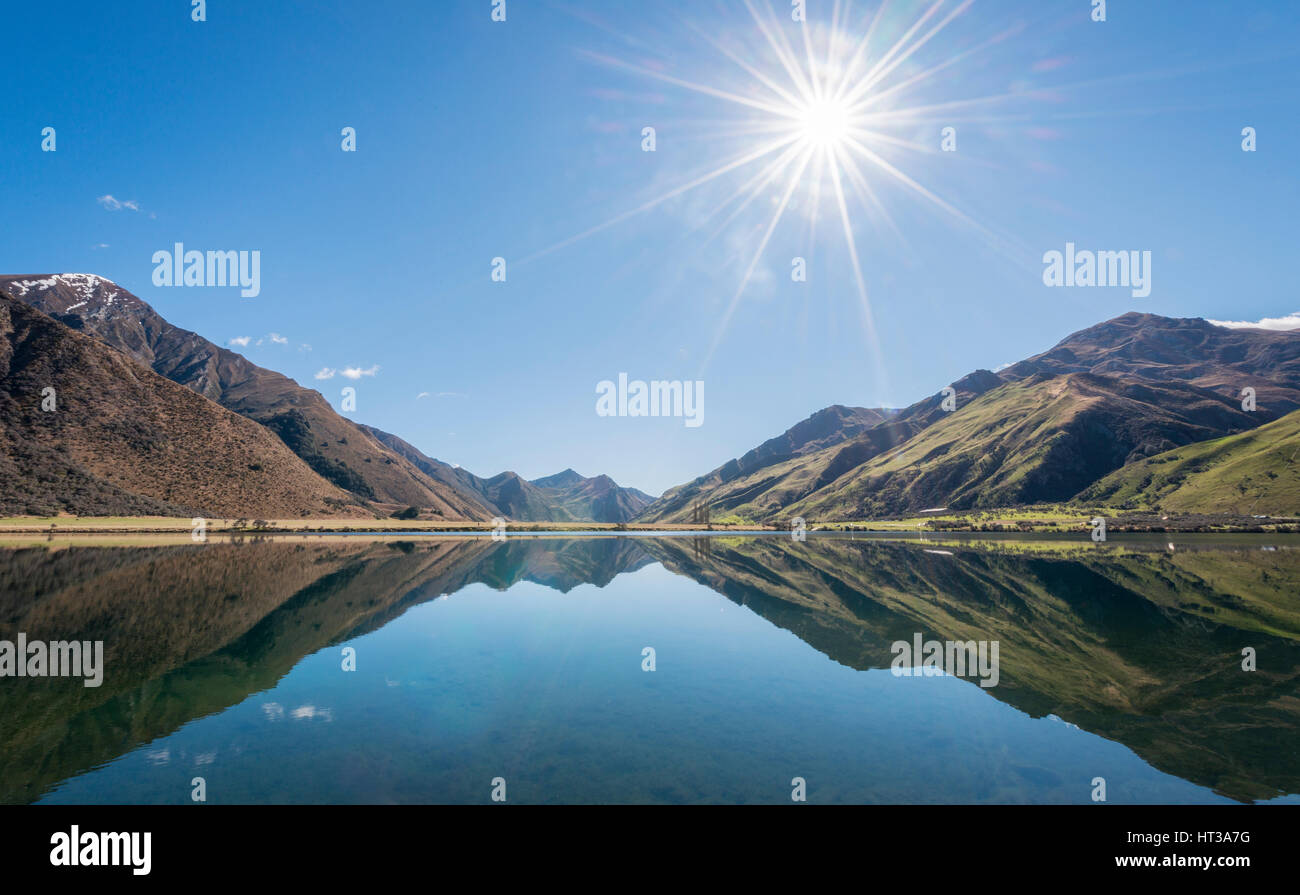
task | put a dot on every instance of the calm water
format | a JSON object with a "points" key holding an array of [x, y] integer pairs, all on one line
{"points": [[523, 660]]}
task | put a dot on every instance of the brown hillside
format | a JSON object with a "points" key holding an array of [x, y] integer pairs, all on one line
{"points": [[333, 446], [125, 440]]}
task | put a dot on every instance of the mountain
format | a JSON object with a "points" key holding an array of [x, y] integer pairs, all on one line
{"points": [[807, 458], [1136, 644], [600, 498], [465, 483], [1043, 429], [336, 448], [370, 464], [1185, 350], [756, 479], [1033, 441], [561, 481], [563, 497], [1141, 647], [572, 498], [191, 630], [574, 483], [122, 440], [1255, 472]]}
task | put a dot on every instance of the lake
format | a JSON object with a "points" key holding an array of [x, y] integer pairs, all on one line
{"points": [[670, 669]]}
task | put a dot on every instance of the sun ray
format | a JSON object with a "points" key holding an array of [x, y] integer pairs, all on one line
{"points": [[690, 85], [850, 167], [901, 42], [763, 79], [786, 58], [892, 140], [825, 107], [882, 95], [758, 256], [991, 239], [872, 81], [672, 194], [753, 188], [902, 178], [817, 93], [864, 300], [860, 52]]}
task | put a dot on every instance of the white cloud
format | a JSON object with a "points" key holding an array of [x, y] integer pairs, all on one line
{"points": [[113, 204], [422, 395], [278, 339], [1290, 321], [241, 341], [1000, 367], [100, 245], [347, 372]]}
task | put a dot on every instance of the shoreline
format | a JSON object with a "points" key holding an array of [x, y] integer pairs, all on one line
{"points": [[1010, 521]]}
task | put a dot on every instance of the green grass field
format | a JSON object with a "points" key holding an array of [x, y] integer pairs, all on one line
{"points": [[1039, 518]]}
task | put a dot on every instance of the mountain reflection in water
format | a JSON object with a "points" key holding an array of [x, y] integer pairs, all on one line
{"points": [[1131, 641]]}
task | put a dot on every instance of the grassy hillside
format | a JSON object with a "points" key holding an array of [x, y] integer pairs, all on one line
{"points": [[1255, 472], [1026, 442], [784, 468], [1171, 381]]}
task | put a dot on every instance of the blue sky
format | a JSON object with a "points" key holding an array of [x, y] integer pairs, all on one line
{"points": [[478, 139]]}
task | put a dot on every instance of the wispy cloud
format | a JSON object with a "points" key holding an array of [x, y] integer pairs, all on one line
{"points": [[113, 204], [358, 372], [241, 341], [1290, 321], [325, 373], [278, 339], [100, 245], [422, 395]]}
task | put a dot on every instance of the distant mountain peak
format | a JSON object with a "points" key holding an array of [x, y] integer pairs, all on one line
{"points": [[566, 479], [978, 382], [88, 294]]}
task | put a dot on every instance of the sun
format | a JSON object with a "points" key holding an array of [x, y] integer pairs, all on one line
{"points": [[825, 124], [817, 116]]}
